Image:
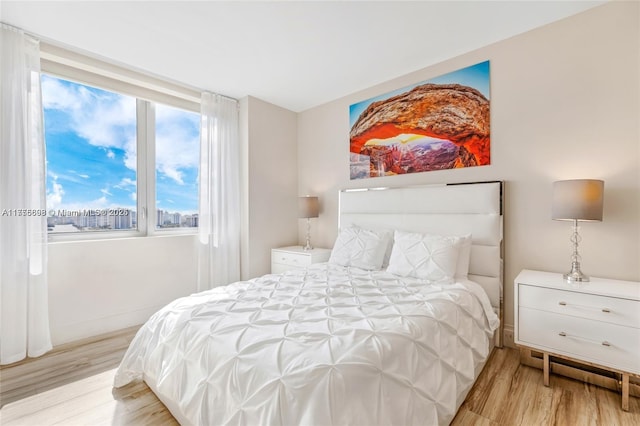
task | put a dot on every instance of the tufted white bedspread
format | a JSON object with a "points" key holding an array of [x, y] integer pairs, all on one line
{"points": [[324, 346]]}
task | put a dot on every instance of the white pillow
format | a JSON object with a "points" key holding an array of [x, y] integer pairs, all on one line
{"points": [[425, 256], [464, 257], [359, 247]]}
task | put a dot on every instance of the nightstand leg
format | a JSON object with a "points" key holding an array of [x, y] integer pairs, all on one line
{"points": [[545, 369], [625, 392]]}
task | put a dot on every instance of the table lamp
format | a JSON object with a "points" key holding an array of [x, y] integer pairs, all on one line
{"points": [[577, 200], [308, 207]]}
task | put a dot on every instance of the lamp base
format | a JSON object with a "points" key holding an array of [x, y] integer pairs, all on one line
{"points": [[308, 245], [575, 275]]}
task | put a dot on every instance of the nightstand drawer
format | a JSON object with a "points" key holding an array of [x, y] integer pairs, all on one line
{"points": [[290, 259], [594, 341], [295, 257], [595, 307]]}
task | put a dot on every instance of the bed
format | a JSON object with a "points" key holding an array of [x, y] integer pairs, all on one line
{"points": [[377, 335]]}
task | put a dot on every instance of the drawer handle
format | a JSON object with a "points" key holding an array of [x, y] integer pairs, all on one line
{"points": [[604, 343], [605, 310]]}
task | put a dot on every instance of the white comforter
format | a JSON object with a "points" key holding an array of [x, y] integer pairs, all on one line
{"points": [[323, 346]]}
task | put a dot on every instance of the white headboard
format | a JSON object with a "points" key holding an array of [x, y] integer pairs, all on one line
{"points": [[445, 209]]}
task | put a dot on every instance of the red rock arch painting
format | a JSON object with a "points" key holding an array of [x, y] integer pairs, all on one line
{"points": [[442, 123]]}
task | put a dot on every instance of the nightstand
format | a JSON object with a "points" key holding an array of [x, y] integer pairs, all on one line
{"points": [[594, 325], [294, 257]]}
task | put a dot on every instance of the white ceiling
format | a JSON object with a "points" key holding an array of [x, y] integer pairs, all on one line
{"points": [[295, 54]]}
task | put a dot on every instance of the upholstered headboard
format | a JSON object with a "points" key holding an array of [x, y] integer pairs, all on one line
{"points": [[445, 209]]}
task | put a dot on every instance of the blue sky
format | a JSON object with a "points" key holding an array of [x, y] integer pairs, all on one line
{"points": [[91, 150], [476, 76]]}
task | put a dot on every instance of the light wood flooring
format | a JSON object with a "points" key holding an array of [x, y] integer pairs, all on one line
{"points": [[72, 385]]}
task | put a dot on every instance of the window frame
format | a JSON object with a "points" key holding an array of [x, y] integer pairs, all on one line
{"points": [[148, 91]]}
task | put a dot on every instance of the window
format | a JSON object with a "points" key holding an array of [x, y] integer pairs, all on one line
{"points": [[103, 161], [177, 157]]}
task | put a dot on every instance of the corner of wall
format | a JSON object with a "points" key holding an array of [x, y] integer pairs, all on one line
{"points": [[269, 137]]}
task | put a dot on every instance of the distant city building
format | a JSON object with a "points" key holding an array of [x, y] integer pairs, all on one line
{"points": [[191, 221], [159, 218], [174, 218], [88, 220], [122, 221], [167, 219]]}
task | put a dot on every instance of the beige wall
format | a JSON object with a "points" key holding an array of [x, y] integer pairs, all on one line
{"points": [[269, 181], [564, 104]]}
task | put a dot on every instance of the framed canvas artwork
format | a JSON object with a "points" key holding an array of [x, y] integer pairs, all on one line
{"points": [[441, 123]]}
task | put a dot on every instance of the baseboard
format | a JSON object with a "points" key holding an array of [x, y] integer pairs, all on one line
{"points": [[61, 334]]}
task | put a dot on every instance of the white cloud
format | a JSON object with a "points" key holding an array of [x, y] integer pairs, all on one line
{"points": [[110, 154], [126, 182], [73, 172], [58, 96], [177, 142], [103, 118], [130, 158], [54, 197], [99, 203], [172, 172], [69, 176], [133, 196]]}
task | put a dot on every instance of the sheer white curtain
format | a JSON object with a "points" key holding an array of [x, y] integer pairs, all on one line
{"points": [[24, 314], [219, 211]]}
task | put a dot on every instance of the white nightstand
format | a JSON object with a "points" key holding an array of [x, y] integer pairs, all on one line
{"points": [[596, 323], [294, 257]]}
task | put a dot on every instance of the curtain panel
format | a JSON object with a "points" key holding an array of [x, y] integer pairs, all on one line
{"points": [[219, 208], [24, 314]]}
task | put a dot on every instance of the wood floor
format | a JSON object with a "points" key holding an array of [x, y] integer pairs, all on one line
{"points": [[72, 385]]}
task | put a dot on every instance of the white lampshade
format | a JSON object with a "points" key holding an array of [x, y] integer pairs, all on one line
{"points": [[308, 207], [578, 199]]}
